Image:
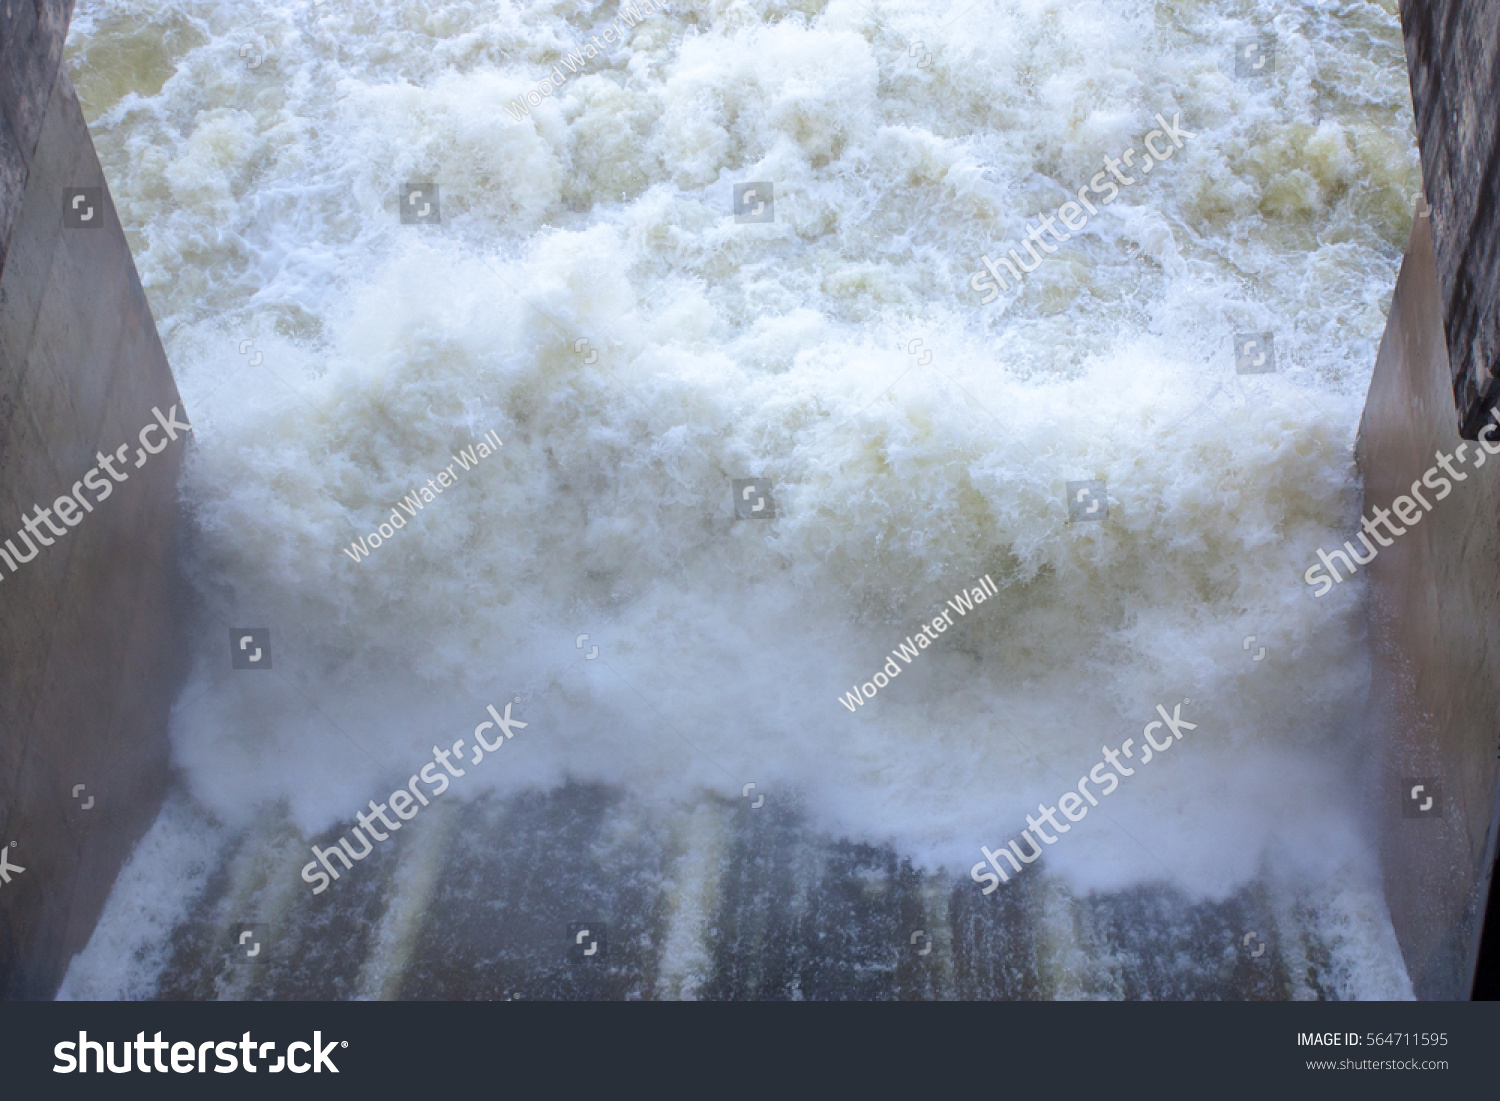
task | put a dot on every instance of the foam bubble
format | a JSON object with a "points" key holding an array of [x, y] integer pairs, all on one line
{"points": [[263, 203]]}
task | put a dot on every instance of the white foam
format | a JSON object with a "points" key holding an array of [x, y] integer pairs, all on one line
{"points": [[264, 202], [152, 895]]}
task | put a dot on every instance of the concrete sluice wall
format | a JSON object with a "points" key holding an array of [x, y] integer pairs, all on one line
{"points": [[1453, 57], [1435, 637], [89, 653], [1435, 592]]}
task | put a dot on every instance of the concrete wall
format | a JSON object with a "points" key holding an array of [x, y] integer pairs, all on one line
{"points": [[88, 651], [1435, 634], [1453, 54], [1435, 593]]}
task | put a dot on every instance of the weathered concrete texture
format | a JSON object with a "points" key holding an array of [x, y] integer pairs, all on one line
{"points": [[1453, 54], [31, 46], [88, 650], [1435, 632]]}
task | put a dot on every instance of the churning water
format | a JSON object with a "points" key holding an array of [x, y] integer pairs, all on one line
{"points": [[588, 296]]}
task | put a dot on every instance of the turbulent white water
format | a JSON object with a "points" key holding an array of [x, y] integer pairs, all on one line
{"points": [[256, 152]]}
